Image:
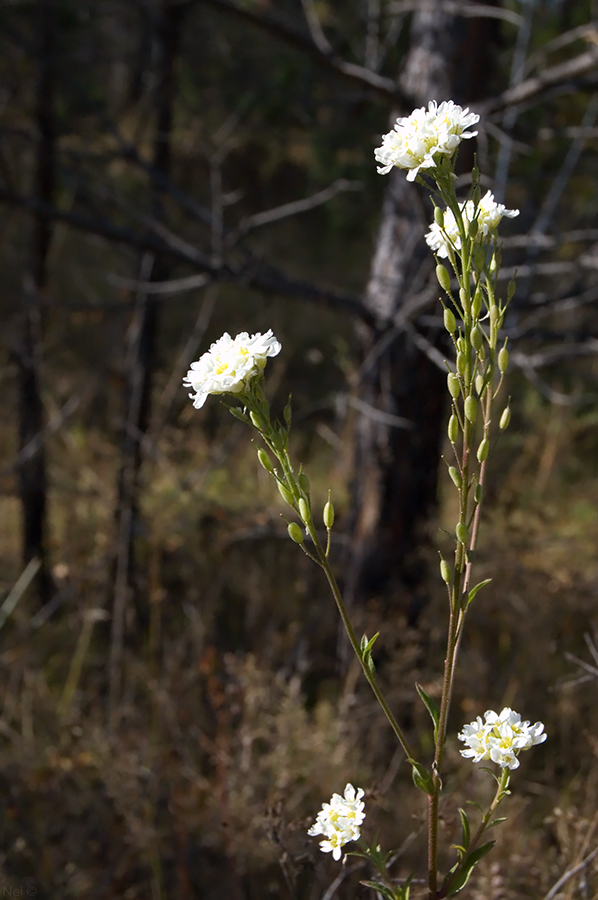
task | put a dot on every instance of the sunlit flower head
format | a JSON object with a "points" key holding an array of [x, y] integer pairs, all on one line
{"points": [[229, 364], [419, 141], [500, 738], [339, 821], [489, 215]]}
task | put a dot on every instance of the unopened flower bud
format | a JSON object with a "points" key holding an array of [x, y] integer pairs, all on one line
{"points": [[453, 428], [444, 279], [503, 359], [445, 571], [303, 482], [285, 493], [453, 385], [461, 363], [439, 216], [471, 408], [495, 262], [476, 338], [456, 477], [304, 510], [483, 450], [328, 514], [450, 323], [505, 418], [295, 533], [473, 228], [265, 460], [462, 532], [475, 175]]}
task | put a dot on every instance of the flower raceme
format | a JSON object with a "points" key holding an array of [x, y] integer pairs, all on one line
{"points": [[500, 738], [229, 365], [339, 821], [421, 140], [489, 215]]}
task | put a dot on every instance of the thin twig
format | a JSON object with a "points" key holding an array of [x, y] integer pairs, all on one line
{"points": [[570, 874]]}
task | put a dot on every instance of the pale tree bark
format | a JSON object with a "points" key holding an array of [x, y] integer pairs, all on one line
{"points": [[396, 462]]}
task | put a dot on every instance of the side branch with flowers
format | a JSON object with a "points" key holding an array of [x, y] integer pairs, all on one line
{"points": [[464, 234]]}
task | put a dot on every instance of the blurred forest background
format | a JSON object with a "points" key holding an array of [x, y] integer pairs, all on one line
{"points": [[176, 701]]}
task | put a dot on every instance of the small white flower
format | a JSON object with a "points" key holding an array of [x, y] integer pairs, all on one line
{"points": [[489, 215], [229, 364], [420, 140], [500, 737], [339, 821]]}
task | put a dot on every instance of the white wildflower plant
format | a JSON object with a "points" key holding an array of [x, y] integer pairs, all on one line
{"points": [[339, 821], [425, 138], [465, 233], [488, 215], [500, 738]]}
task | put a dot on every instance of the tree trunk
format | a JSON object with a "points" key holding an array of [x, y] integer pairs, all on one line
{"points": [[32, 477], [396, 462]]}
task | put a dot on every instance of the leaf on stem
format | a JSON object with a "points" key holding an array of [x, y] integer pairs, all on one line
{"points": [[422, 779], [238, 414], [456, 882], [475, 589], [430, 705], [465, 828], [382, 889]]}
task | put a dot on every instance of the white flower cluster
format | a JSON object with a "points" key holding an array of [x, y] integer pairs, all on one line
{"points": [[420, 140], [339, 821], [489, 214], [500, 738], [229, 364]]}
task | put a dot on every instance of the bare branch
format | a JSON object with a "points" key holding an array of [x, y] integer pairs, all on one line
{"points": [[563, 40], [174, 286], [315, 29], [467, 10], [570, 874]]}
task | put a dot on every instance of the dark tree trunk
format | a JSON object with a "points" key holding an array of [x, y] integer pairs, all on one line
{"points": [[141, 360], [396, 464], [32, 477]]}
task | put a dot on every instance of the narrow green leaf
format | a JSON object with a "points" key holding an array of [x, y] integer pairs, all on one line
{"points": [[490, 772], [422, 779], [430, 705], [477, 588], [476, 855], [371, 642], [381, 888], [465, 828], [238, 414], [497, 822]]}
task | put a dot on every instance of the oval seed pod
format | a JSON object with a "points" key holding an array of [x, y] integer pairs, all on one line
{"points": [[255, 421], [483, 450], [477, 194], [494, 315], [479, 257], [439, 216], [453, 428], [285, 493], [503, 359], [476, 338], [450, 323], [479, 383], [328, 514], [473, 228], [304, 510], [462, 532], [295, 533], [456, 477], [265, 460], [445, 571], [477, 494], [303, 482], [476, 303], [505, 418], [461, 362], [471, 408], [444, 279], [453, 385]]}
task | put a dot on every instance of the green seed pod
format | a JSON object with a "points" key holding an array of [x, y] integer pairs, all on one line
{"points": [[494, 315], [285, 493], [483, 450], [453, 428], [505, 418], [328, 514], [303, 482], [503, 359], [295, 533], [473, 228], [304, 510], [461, 363], [453, 385], [476, 338], [477, 193], [475, 175], [512, 287], [255, 421], [471, 408], [494, 262], [464, 298], [462, 344], [462, 532], [444, 279], [456, 477], [477, 494], [476, 303], [439, 216], [287, 412], [450, 323], [265, 461], [445, 571], [479, 384]]}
